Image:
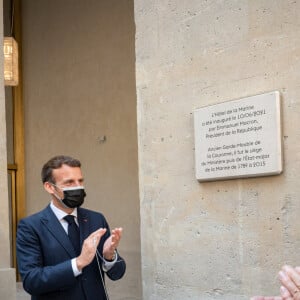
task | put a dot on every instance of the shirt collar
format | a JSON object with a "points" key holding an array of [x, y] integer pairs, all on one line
{"points": [[60, 214]]}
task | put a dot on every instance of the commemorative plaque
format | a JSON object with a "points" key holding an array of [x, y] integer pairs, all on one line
{"points": [[239, 138]]}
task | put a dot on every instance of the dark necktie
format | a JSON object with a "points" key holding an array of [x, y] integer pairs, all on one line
{"points": [[73, 233]]}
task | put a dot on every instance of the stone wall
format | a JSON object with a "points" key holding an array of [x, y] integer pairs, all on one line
{"points": [[224, 239]]}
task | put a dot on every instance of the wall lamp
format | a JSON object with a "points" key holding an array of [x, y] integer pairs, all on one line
{"points": [[11, 68]]}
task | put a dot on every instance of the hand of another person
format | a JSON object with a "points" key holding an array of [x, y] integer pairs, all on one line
{"points": [[112, 243], [290, 280], [89, 248], [290, 289], [266, 298]]}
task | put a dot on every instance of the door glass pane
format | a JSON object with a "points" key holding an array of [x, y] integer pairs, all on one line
{"points": [[10, 215], [9, 125]]}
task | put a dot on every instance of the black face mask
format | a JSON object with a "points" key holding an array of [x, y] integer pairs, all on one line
{"points": [[73, 196]]}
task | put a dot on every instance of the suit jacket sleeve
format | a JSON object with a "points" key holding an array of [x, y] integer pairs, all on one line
{"points": [[38, 279], [118, 269]]}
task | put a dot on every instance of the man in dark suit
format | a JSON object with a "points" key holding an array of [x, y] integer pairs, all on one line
{"points": [[65, 251]]}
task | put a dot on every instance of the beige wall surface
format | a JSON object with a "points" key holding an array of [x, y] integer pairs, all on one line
{"points": [[79, 86], [224, 239], [7, 274]]}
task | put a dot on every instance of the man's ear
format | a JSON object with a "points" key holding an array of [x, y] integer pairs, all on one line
{"points": [[49, 187]]}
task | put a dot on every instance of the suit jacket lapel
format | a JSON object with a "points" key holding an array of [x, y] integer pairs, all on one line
{"points": [[55, 228], [83, 221]]}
